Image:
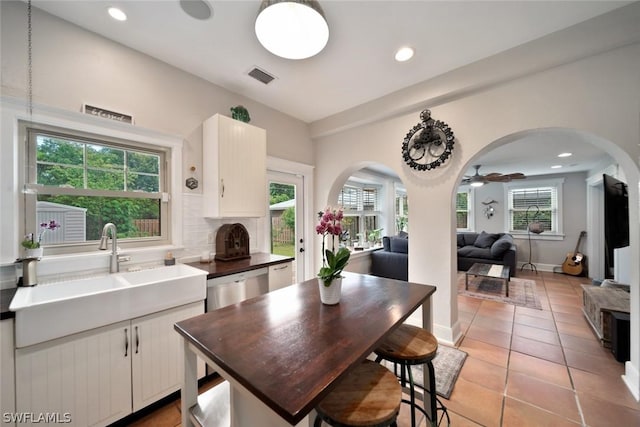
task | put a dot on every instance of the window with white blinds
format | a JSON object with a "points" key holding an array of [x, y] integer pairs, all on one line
{"points": [[463, 210], [359, 198], [361, 204], [534, 204]]}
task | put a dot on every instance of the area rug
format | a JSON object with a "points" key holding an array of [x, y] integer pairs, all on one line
{"points": [[447, 365], [522, 292]]}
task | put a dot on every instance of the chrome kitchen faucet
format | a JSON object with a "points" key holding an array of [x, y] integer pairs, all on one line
{"points": [[114, 266]]}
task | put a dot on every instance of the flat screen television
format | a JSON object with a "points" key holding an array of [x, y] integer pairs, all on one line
{"points": [[616, 217]]}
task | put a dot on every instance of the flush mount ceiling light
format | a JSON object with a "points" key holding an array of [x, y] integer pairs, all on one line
{"points": [[294, 29], [117, 14], [404, 54], [565, 155]]}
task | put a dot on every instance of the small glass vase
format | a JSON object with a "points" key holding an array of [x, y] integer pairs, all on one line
{"points": [[34, 253], [330, 295]]}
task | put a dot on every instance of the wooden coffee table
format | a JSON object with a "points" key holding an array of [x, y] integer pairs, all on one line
{"points": [[493, 271]]}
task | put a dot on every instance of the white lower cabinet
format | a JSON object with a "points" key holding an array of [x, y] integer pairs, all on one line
{"points": [[85, 377], [157, 355], [99, 376], [7, 372]]}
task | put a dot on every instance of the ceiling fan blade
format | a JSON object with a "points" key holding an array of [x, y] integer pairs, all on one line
{"points": [[497, 178], [517, 175], [492, 175]]}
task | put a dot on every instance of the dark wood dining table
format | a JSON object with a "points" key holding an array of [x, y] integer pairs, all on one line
{"points": [[282, 352]]}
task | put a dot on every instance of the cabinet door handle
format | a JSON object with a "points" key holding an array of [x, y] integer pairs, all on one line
{"points": [[137, 340], [126, 342], [281, 268], [222, 183]]}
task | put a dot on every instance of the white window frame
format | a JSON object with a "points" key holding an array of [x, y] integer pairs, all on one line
{"points": [[557, 183], [470, 210], [28, 133], [360, 212], [399, 193], [12, 170]]}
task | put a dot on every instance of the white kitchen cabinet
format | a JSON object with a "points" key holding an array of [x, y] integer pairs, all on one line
{"points": [[157, 354], [102, 375], [7, 371], [85, 376], [280, 275], [234, 168]]}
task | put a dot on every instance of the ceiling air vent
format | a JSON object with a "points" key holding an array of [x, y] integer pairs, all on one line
{"points": [[261, 76]]}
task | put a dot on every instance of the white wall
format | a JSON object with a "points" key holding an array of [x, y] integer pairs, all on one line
{"points": [[596, 96], [72, 66], [545, 253]]}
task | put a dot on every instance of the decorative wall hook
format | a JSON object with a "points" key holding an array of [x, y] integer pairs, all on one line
{"points": [[192, 182]]}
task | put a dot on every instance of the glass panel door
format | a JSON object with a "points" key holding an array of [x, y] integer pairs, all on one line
{"points": [[286, 219]]}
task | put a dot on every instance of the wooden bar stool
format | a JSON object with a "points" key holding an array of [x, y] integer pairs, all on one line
{"points": [[407, 346], [369, 395]]}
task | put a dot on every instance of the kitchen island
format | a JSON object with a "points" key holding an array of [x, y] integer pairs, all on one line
{"points": [[282, 352]]}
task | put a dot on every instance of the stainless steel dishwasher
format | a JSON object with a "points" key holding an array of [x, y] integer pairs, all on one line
{"points": [[231, 289]]}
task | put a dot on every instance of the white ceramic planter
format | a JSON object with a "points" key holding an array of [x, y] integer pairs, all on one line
{"points": [[330, 295], [34, 253]]}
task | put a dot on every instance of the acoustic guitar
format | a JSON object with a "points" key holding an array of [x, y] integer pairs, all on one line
{"points": [[574, 264]]}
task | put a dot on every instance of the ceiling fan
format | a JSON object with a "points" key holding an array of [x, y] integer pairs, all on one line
{"points": [[478, 180]]}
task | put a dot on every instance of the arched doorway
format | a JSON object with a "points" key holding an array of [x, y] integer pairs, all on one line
{"points": [[375, 204], [622, 165]]}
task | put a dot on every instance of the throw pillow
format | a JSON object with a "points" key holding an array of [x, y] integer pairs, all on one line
{"points": [[485, 240], [460, 240], [501, 246]]}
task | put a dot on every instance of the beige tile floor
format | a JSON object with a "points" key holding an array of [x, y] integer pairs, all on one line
{"points": [[525, 367]]}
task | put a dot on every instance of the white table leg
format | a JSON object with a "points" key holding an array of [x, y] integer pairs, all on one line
{"points": [[189, 393]]}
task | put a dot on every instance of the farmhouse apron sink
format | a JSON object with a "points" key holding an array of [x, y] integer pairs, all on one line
{"points": [[46, 312]]}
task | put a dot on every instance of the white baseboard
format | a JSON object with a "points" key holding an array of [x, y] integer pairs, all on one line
{"points": [[631, 378], [447, 336]]}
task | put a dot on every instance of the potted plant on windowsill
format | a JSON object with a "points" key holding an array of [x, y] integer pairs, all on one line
{"points": [[32, 244], [329, 276]]}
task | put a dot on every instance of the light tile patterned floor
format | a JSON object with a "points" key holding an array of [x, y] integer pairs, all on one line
{"points": [[525, 367]]}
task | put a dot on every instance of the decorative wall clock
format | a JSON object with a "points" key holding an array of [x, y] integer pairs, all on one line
{"points": [[428, 144]]}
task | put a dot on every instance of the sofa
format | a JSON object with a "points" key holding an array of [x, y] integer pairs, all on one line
{"points": [[486, 248], [392, 261]]}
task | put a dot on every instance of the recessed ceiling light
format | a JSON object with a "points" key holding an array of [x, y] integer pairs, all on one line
{"points": [[564, 155], [404, 54], [556, 166], [117, 14]]}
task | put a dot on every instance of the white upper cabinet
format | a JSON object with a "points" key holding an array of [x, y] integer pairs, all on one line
{"points": [[234, 168]]}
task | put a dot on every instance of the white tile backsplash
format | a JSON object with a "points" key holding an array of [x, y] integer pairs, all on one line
{"points": [[196, 228], [195, 235]]}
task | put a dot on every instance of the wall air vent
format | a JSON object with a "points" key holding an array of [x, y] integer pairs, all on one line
{"points": [[261, 75]]}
